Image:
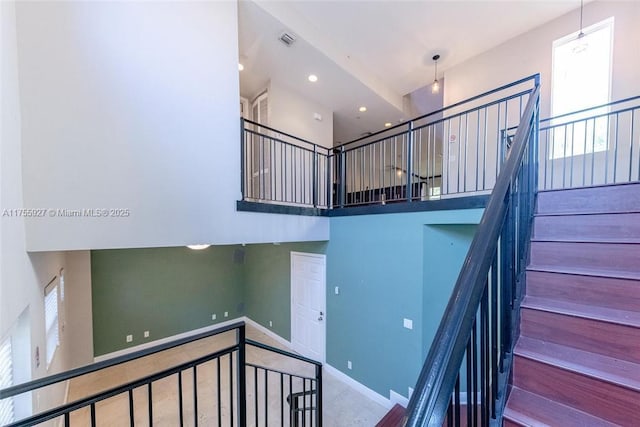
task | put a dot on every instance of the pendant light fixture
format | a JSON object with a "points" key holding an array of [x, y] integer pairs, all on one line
{"points": [[435, 87], [580, 44]]}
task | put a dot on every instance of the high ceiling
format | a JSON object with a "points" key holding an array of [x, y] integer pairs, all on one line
{"points": [[374, 52]]}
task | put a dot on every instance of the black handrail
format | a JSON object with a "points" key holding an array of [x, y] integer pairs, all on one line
{"points": [[584, 110], [282, 352], [533, 77], [433, 390]]}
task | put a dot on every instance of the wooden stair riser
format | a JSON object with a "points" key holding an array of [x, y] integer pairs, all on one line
{"points": [[621, 294], [605, 257], [602, 399], [605, 199], [603, 227], [609, 339]]}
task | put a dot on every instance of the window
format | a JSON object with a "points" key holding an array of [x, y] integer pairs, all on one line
{"points": [[581, 79], [6, 380], [51, 319]]}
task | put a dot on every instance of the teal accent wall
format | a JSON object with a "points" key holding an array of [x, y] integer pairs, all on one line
{"points": [[391, 267], [166, 291], [268, 283]]}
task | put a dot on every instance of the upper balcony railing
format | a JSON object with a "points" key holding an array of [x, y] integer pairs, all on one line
{"points": [[457, 150], [595, 146], [282, 168]]}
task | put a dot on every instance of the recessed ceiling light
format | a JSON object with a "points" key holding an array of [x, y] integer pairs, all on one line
{"points": [[198, 247], [362, 109], [387, 124], [240, 67], [313, 78]]}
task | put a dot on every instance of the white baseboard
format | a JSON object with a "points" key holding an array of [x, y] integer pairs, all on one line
{"points": [[398, 398], [165, 340], [359, 387], [268, 332]]}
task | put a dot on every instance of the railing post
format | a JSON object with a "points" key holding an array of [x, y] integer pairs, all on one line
{"points": [[242, 154], [319, 395], [315, 180], [409, 190], [342, 186], [242, 376], [329, 176]]}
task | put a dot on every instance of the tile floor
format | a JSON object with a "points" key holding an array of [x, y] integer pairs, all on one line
{"points": [[342, 405]]}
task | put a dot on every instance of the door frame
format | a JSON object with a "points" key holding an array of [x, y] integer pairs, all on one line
{"points": [[323, 257]]}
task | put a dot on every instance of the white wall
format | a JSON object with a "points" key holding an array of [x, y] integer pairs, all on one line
{"points": [[530, 53], [134, 105], [79, 319], [23, 276], [290, 112]]}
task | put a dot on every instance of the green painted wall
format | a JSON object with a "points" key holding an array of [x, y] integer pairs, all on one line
{"points": [[166, 291], [268, 283], [381, 263]]}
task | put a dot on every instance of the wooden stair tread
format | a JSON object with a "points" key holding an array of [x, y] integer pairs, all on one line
{"points": [[615, 371], [529, 409], [596, 272], [603, 314], [623, 241], [393, 418]]}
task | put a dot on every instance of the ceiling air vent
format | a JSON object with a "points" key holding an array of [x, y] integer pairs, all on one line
{"points": [[287, 38]]}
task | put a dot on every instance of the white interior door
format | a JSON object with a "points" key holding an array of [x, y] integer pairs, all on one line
{"points": [[308, 304]]}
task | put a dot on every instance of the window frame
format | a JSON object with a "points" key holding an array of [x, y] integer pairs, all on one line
{"points": [[557, 125], [50, 353], [7, 406]]}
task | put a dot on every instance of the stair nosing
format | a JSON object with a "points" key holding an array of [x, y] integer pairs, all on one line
{"points": [[612, 274], [585, 213], [596, 374], [589, 240], [612, 184]]}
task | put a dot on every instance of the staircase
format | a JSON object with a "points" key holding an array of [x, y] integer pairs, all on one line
{"points": [[577, 360]]}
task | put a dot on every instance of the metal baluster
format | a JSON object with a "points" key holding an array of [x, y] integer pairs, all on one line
{"points": [[195, 396], [606, 156], [93, 415], [584, 154], [266, 397], [615, 149], [282, 399], [573, 153], [131, 409], [477, 148], [180, 409], [593, 150], [231, 389], [150, 402], [219, 391]]}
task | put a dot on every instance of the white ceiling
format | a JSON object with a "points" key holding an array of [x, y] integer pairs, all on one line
{"points": [[374, 52]]}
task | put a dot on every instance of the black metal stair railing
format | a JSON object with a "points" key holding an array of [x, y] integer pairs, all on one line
{"points": [[585, 148], [465, 376], [455, 151], [213, 389]]}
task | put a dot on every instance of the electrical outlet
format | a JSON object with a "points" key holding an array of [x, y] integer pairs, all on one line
{"points": [[226, 314], [146, 334], [129, 338], [408, 323], [337, 290], [214, 317], [270, 324], [349, 365]]}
